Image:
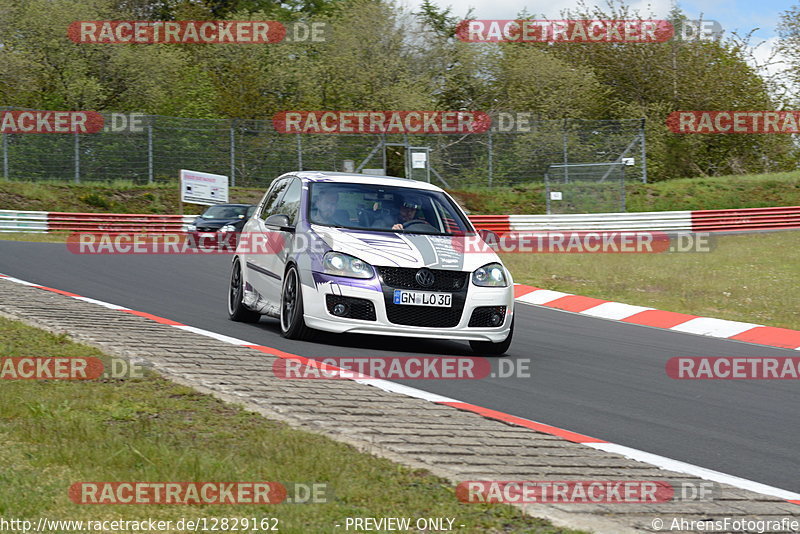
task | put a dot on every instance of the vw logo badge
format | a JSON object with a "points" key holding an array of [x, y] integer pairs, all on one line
{"points": [[425, 277]]}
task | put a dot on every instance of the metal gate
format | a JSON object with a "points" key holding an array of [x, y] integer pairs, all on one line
{"points": [[585, 187]]}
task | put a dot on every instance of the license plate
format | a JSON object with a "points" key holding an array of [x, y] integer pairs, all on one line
{"points": [[418, 298]]}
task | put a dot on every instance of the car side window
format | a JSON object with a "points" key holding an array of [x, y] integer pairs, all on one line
{"points": [[273, 196], [290, 203]]}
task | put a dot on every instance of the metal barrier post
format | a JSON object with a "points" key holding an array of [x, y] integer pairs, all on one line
{"points": [[491, 149], [566, 159], [233, 153], [299, 153], [644, 154], [5, 156], [150, 153], [77, 159]]}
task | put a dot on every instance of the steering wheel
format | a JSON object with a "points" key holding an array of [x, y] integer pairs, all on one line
{"points": [[413, 222]]}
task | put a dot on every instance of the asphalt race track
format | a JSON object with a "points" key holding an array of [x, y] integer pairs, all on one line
{"points": [[592, 376]]}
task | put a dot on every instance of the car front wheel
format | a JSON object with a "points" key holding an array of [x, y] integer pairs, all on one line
{"points": [[293, 326], [487, 348]]}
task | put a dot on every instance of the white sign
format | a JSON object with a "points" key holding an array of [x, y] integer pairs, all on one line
{"points": [[628, 161], [203, 188], [419, 160], [555, 195]]}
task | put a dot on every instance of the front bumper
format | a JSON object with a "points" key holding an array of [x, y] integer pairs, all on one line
{"points": [[227, 240], [317, 315]]}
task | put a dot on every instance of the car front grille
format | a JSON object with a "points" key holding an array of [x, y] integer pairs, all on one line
{"points": [[405, 278], [454, 282], [481, 317], [424, 315]]}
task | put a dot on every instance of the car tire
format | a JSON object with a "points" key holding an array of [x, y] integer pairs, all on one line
{"points": [[488, 348], [293, 325], [236, 308]]}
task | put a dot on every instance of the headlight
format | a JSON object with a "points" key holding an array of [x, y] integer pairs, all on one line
{"points": [[191, 228], [491, 275], [340, 264], [228, 228]]}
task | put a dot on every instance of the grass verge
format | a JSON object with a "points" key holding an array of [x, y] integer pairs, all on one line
{"points": [[114, 197], [49, 237], [56, 433], [719, 192], [752, 278]]}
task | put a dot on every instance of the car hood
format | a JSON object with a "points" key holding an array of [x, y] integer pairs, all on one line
{"points": [[392, 249]]}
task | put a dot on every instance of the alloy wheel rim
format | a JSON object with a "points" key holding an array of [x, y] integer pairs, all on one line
{"points": [[289, 301], [236, 283]]}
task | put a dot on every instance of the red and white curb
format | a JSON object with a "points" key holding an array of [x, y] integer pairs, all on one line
{"points": [[641, 315], [547, 297]]}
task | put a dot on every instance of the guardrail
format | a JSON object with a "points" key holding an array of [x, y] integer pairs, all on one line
{"points": [[787, 217], [49, 221], [746, 219], [117, 222], [23, 221]]}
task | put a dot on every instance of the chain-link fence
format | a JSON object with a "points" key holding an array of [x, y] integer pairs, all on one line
{"points": [[585, 187], [252, 153]]}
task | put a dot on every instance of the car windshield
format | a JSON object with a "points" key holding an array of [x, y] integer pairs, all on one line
{"points": [[226, 212], [385, 208]]}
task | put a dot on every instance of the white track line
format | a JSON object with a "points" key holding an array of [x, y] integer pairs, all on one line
{"points": [[634, 454], [614, 310], [708, 326], [208, 333], [695, 470]]}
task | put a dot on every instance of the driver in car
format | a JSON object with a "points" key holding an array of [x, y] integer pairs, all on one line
{"points": [[326, 210], [407, 211]]}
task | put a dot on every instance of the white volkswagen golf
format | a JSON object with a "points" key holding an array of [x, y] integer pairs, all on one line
{"points": [[370, 255]]}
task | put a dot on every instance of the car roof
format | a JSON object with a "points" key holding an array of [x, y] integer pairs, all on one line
{"points": [[356, 178], [233, 205]]}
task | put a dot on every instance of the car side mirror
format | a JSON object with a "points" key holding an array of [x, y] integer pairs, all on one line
{"points": [[281, 221]]}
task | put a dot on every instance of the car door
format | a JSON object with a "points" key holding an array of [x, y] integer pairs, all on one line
{"points": [[288, 205], [257, 258]]}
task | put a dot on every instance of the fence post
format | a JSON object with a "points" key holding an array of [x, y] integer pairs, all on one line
{"points": [[150, 151], [644, 153], [5, 156], [77, 158], [299, 152], [491, 149], [622, 179], [233, 153], [566, 158]]}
